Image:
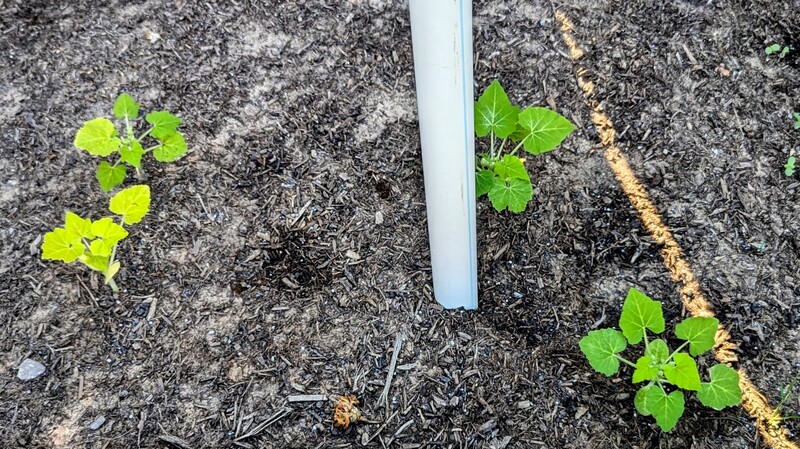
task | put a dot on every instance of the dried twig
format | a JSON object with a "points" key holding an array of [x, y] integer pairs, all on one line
{"points": [[398, 344]]}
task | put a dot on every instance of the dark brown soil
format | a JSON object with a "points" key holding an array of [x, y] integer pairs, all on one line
{"points": [[288, 250]]}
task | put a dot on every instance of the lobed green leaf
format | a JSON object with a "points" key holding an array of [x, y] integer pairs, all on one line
{"points": [[646, 369], [98, 137], [109, 176], [108, 234], [513, 193], [60, 244], [723, 390], [126, 106], [600, 347], [682, 372], [494, 112], [97, 263], [639, 400], [132, 203], [82, 227], [172, 147], [484, 180], [639, 312], [666, 409], [658, 351], [544, 129], [163, 123], [131, 153], [699, 332], [511, 167]]}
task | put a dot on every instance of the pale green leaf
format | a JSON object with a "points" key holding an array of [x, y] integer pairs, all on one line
{"points": [[699, 332], [484, 180], [545, 129], [82, 227], [723, 390], [682, 372], [511, 167], [126, 106], [172, 147], [666, 409], [100, 248], [600, 347], [98, 137], [112, 271], [163, 123], [639, 400], [646, 369], [132, 203], [512, 193], [131, 153], [658, 351], [493, 111], [639, 313], [98, 263], [60, 244], [109, 176], [108, 231]]}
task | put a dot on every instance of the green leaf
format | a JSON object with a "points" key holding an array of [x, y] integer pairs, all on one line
{"points": [[163, 123], [699, 332], [493, 111], [484, 180], [682, 372], [658, 351], [98, 137], [60, 244], [599, 347], [789, 167], [772, 49], [109, 232], [646, 369], [109, 176], [519, 134], [82, 227], [126, 106], [511, 167], [172, 147], [131, 153], [723, 390], [639, 400], [512, 193], [639, 313], [544, 129], [666, 409], [132, 203], [98, 263], [796, 116]]}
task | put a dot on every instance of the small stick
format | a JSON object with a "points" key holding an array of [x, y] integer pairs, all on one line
{"points": [[398, 344], [306, 398]]}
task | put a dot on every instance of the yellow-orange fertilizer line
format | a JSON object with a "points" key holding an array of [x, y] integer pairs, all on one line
{"points": [[692, 296]]}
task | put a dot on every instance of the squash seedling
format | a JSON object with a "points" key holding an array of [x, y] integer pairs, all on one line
{"points": [[666, 372], [502, 176], [788, 168], [99, 137], [781, 50], [94, 243]]}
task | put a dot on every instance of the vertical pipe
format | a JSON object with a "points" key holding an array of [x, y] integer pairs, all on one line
{"points": [[441, 32]]}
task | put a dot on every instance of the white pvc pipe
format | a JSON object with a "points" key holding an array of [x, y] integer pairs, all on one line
{"points": [[441, 32]]}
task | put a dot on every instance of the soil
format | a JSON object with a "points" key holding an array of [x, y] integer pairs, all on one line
{"points": [[287, 251]]}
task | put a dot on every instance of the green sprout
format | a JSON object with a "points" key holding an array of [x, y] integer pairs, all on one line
{"points": [[99, 137], [796, 116], [776, 418], [501, 174], [781, 50], [788, 168], [94, 243], [666, 372]]}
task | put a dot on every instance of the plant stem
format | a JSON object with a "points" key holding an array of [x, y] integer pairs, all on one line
{"points": [[502, 145], [676, 351], [514, 151], [146, 133], [151, 148], [113, 286], [624, 360]]}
